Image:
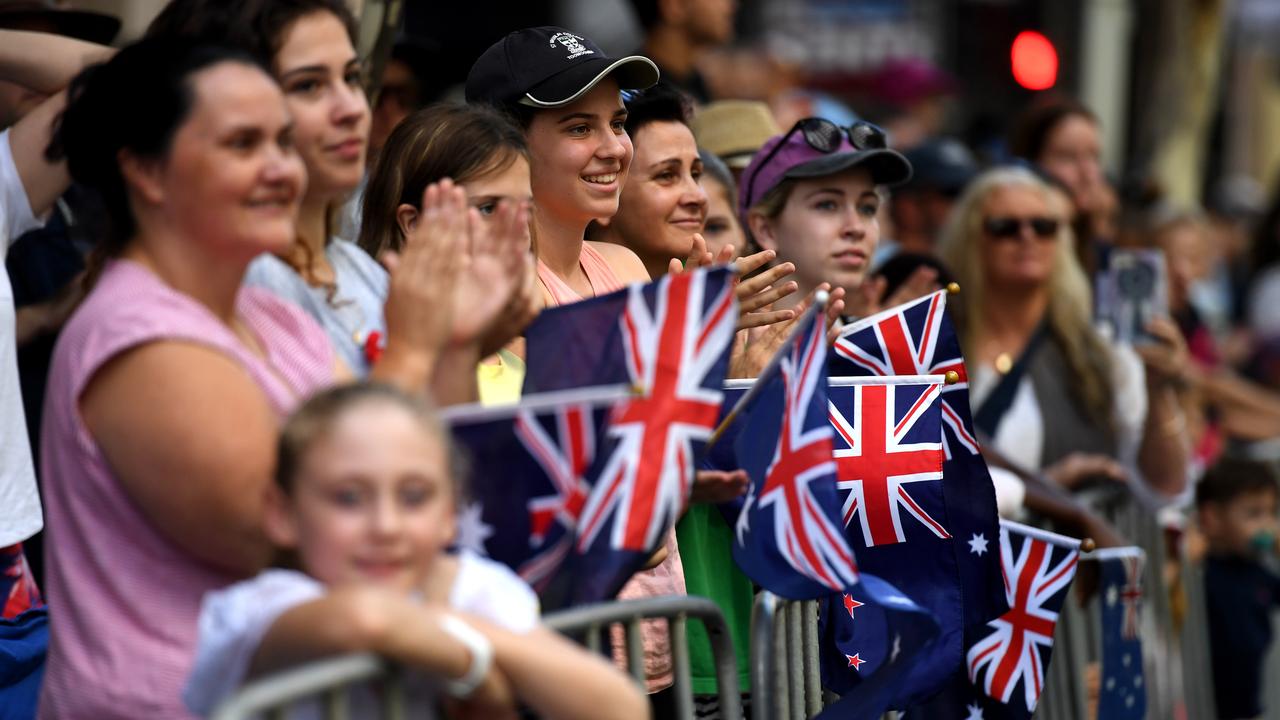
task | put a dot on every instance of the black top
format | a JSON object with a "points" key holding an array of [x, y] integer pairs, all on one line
{"points": [[1240, 594]]}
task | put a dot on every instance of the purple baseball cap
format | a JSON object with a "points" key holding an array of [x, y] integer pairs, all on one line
{"points": [[799, 153]]}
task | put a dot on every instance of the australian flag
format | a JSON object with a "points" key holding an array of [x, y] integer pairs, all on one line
{"points": [[532, 467], [918, 339], [1123, 694], [1006, 665], [670, 341], [788, 534], [889, 455]]}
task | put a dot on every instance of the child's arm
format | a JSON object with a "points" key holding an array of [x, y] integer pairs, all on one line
{"points": [[368, 619], [560, 680]]}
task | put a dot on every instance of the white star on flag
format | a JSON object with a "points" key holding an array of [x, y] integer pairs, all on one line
{"points": [[473, 530], [1113, 594], [975, 712], [978, 545]]}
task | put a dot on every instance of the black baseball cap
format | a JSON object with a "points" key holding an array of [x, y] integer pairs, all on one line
{"points": [[548, 67]]}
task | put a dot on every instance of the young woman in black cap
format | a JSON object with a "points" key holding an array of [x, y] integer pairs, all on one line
{"points": [[564, 93]]}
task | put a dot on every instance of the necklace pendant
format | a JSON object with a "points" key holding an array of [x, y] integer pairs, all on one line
{"points": [[1004, 363]]}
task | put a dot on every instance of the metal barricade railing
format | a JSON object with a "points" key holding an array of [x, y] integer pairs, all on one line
{"points": [[327, 681], [591, 624], [785, 676]]}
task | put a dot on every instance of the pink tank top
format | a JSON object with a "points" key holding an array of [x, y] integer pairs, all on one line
{"points": [[667, 578], [598, 272], [123, 599]]}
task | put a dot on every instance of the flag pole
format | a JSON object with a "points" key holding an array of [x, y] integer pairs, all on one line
{"points": [[819, 305], [1044, 535]]}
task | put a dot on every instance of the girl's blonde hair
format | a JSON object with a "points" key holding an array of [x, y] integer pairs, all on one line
{"points": [[1070, 313], [311, 422]]}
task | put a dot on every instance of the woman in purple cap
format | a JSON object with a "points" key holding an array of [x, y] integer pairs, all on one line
{"points": [[811, 195]]}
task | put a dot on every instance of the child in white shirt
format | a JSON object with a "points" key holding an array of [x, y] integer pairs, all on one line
{"points": [[366, 496]]}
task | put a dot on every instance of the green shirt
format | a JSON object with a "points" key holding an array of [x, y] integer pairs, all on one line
{"points": [[706, 542]]}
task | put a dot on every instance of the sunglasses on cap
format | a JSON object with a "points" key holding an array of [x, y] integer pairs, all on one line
{"points": [[824, 136], [1010, 228]]}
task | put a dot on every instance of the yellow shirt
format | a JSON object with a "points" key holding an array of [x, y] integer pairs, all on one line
{"points": [[500, 381]]}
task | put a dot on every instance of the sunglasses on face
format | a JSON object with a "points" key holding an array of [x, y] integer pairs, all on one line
{"points": [[1010, 228], [824, 136]]}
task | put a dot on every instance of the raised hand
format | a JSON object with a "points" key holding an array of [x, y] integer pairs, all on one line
{"points": [[756, 295], [754, 347], [499, 263], [420, 304]]}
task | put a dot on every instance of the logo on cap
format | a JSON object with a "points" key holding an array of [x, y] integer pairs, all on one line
{"points": [[572, 43]]}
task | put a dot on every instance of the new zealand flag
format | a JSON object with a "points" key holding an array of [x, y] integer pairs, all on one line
{"points": [[532, 468], [889, 456], [918, 339], [885, 635], [1123, 694], [670, 341]]}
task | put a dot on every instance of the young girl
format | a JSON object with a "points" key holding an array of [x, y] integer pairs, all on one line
{"points": [[811, 195], [366, 494], [486, 155]]}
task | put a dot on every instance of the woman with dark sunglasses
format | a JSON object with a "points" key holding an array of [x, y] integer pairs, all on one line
{"points": [[811, 195], [1053, 395]]}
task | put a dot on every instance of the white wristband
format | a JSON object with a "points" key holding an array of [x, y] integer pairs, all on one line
{"points": [[481, 656]]}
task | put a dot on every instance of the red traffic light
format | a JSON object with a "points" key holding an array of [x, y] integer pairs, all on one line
{"points": [[1035, 61]]}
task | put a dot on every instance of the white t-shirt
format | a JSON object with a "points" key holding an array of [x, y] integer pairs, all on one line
{"points": [[234, 620], [20, 516]]}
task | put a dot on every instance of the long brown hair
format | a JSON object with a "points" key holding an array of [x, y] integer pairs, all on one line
{"points": [[258, 27], [461, 142]]}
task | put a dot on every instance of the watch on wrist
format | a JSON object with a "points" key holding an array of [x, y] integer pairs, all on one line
{"points": [[481, 651]]}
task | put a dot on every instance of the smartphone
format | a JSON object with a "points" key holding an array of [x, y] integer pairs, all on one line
{"points": [[1130, 290]]}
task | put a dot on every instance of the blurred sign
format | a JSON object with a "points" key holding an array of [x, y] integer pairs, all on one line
{"points": [[851, 35]]}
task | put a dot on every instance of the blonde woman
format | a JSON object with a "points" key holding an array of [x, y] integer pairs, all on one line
{"points": [[1050, 391]]}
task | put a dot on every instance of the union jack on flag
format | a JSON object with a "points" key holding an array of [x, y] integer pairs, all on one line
{"points": [[789, 537], [882, 457], [912, 339], [672, 347], [532, 466], [670, 341], [1039, 567], [918, 338], [564, 454]]}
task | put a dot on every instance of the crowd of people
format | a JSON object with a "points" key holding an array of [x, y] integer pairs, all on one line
{"points": [[252, 291]]}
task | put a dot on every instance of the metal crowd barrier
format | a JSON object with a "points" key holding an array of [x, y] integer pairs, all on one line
{"points": [[591, 624], [328, 681], [785, 676]]}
